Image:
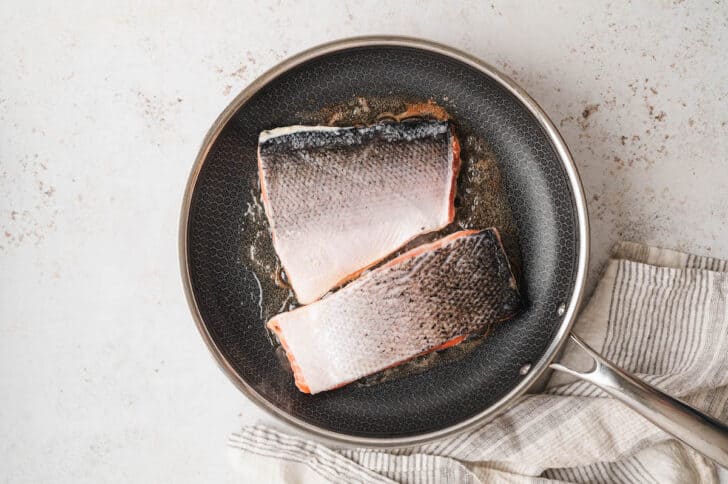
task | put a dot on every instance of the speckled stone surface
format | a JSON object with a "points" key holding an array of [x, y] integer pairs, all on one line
{"points": [[103, 377]]}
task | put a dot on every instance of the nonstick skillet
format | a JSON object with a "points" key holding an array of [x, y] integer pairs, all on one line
{"points": [[549, 210]]}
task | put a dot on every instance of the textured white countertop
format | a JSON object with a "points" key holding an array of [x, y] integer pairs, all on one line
{"points": [[103, 377]]}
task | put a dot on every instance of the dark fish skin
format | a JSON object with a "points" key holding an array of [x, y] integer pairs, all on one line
{"points": [[381, 133], [460, 287], [428, 298], [340, 199]]}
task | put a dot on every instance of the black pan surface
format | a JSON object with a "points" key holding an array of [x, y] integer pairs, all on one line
{"points": [[226, 291]]}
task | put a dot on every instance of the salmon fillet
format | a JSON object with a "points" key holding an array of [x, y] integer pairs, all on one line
{"points": [[429, 298], [338, 200]]}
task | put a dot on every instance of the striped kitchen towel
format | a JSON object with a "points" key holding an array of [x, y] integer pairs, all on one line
{"points": [[659, 314]]}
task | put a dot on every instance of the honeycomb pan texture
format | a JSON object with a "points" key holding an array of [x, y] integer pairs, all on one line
{"points": [[538, 191]]}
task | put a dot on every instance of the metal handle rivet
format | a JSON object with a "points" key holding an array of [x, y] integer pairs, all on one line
{"points": [[561, 309]]}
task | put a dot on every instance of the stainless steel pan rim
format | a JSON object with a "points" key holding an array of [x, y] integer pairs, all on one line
{"points": [[571, 306]]}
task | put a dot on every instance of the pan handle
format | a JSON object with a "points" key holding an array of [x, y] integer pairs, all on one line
{"points": [[696, 429]]}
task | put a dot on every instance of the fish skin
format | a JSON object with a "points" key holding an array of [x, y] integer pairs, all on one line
{"points": [[426, 299], [339, 200]]}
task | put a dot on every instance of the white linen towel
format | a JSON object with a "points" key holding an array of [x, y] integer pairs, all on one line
{"points": [[657, 313]]}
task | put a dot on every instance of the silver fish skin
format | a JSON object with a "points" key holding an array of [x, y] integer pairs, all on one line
{"points": [[339, 200], [428, 298]]}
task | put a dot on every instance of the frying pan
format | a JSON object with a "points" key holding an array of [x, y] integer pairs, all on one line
{"points": [[548, 205]]}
